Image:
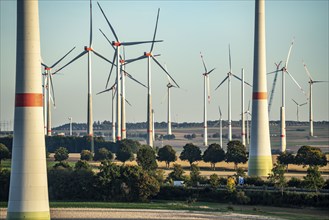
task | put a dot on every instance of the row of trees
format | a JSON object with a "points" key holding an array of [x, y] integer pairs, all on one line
{"points": [[147, 156]]}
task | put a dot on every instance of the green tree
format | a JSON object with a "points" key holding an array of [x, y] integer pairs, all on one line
{"points": [[213, 154], [82, 165], [177, 173], [191, 153], [124, 153], [103, 154], [4, 153], [310, 156], [214, 181], [286, 158], [167, 154], [277, 177], [146, 158], [236, 153], [61, 154], [313, 179], [194, 175], [86, 155], [132, 144]]}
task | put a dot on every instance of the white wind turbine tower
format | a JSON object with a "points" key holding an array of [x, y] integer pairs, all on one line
{"points": [[169, 86], [113, 89], [88, 50], [243, 133], [48, 85], [220, 128], [285, 71], [310, 98], [298, 105], [206, 96], [228, 77], [117, 44], [149, 55]]}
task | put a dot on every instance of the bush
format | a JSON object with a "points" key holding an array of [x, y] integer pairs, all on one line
{"points": [[86, 155], [295, 182], [62, 165], [82, 165], [4, 153], [61, 154], [254, 181], [242, 198], [103, 154], [4, 184]]}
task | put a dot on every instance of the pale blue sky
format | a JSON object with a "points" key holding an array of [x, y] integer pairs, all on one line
{"points": [[187, 27]]}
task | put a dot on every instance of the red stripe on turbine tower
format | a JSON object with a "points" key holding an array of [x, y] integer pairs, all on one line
{"points": [[28, 100], [259, 95]]}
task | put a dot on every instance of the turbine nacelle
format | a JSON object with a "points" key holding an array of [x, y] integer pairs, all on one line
{"points": [[47, 68], [117, 44], [88, 48], [147, 54]]}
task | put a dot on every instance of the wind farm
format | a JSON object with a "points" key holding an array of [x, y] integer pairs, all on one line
{"points": [[190, 126]]}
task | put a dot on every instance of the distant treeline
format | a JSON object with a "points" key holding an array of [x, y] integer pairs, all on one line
{"points": [[107, 125], [73, 144]]}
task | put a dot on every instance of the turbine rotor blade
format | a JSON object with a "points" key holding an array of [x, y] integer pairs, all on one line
{"points": [[155, 30], [229, 55], [106, 90], [91, 25], [132, 78], [44, 65], [220, 112], [108, 78], [108, 22], [74, 59], [241, 80], [303, 104], [107, 39], [134, 59], [318, 81], [211, 71], [52, 89], [294, 101], [62, 58], [155, 60], [222, 82], [296, 82], [139, 42], [204, 65], [292, 43], [128, 102], [99, 55]]}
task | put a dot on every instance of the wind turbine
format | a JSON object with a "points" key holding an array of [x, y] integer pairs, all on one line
{"points": [[228, 77], [310, 98], [117, 44], [206, 96], [48, 85], [298, 105], [285, 71], [149, 55], [88, 50], [220, 128]]}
